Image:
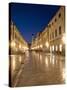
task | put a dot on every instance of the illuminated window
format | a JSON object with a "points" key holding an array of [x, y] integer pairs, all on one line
{"points": [[60, 47], [63, 38], [47, 44], [20, 46], [13, 43], [53, 48], [13, 58]]}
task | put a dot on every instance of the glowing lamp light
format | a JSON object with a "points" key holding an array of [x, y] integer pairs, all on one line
{"points": [[13, 62], [20, 46], [63, 38], [53, 48], [46, 61], [47, 44], [60, 47], [38, 46], [13, 43], [25, 48], [41, 46]]}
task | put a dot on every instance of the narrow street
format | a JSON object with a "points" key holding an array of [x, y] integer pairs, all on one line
{"points": [[36, 44], [40, 68]]}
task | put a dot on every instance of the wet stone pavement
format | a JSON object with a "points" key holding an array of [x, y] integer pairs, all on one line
{"points": [[40, 68]]}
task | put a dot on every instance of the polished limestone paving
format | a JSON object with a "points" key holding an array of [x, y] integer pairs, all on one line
{"points": [[40, 68]]}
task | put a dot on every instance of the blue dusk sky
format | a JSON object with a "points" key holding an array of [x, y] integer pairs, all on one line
{"points": [[31, 18]]}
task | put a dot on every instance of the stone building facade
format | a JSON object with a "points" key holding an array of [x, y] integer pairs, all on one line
{"points": [[17, 48], [17, 43], [57, 32], [52, 38]]}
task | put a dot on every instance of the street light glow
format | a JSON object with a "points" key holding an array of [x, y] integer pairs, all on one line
{"points": [[20, 46], [47, 44], [41, 46], [13, 43], [25, 48], [53, 48], [46, 61], [60, 47], [13, 62], [63, 38]]}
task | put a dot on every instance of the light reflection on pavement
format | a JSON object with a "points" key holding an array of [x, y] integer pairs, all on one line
{"points": [[41, 69]]}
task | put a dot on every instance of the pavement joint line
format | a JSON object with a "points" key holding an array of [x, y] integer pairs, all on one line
{"points": [[17, 78]]}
